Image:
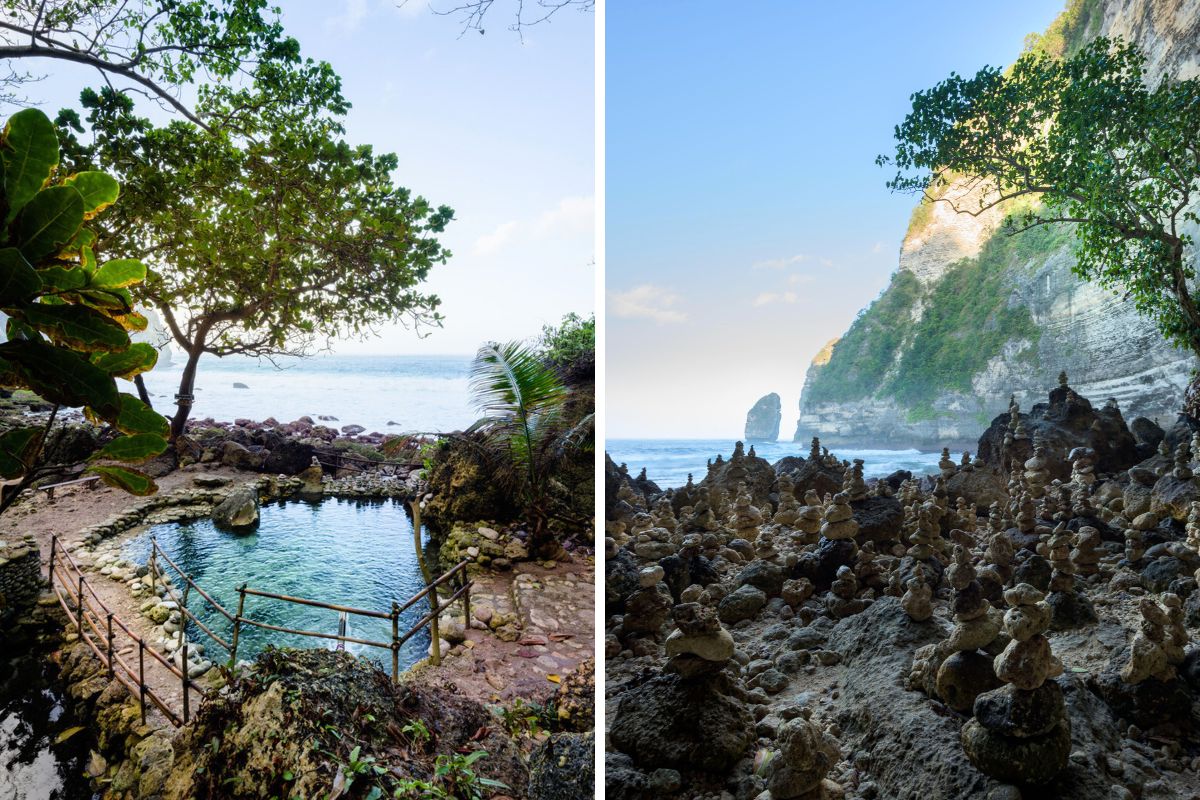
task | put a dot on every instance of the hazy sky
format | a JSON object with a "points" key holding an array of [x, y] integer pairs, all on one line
{"points": [[502, 131], [746, 221]]}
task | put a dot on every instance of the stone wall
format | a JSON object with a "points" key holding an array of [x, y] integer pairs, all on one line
{"points": [[20, 573]]}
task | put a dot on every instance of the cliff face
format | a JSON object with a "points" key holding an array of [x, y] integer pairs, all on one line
{"points": [[971, 317], [762, 422]]}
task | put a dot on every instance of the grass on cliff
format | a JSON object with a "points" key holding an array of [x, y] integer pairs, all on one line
{"points": [[970, 314]]}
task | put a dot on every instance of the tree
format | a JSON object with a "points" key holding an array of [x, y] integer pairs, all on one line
{"points": [[524, 430], [67, 336], [263, 246], [157, 47], [1086, 142], [472, 13]]}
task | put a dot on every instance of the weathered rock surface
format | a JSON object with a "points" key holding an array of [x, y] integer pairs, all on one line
{"points": [[238, 511], [762, 421]]}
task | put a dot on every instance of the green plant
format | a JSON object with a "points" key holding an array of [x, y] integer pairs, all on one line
{"points": [[526, 718], [417, 730], [70, 315], [455, 775], [523, 430], [1094, 145], [268, 242]]}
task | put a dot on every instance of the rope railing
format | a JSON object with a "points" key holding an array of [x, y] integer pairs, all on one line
{"points": [[97, 625]]}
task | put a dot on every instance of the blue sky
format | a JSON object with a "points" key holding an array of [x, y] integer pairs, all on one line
{"points": [[499, 129], [746, 221]]}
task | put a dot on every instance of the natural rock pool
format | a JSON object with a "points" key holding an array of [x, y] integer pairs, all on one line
{"points": [[343, 552]]}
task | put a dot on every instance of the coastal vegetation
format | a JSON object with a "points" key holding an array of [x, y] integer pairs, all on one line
{"points": [[70, 314], [1098, 149]]}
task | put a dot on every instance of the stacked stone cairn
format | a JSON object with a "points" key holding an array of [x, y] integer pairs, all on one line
{"points": [[806, 755], [1020, 732], [965, 672]]}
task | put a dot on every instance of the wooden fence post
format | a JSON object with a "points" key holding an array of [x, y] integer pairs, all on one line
{"points": [[184, 672], [466, 586], [395, 642], [142, 676], [237, 625], [79, 606], [110, 647], [153, 567], [50, 572]]}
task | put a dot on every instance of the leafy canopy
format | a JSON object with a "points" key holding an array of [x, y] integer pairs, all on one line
{"points": [[261, 246], [1089, 141], [236, 49], [70, 314]]}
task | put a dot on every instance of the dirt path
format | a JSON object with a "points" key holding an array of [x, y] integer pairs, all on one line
{"points": [[557, 631]]}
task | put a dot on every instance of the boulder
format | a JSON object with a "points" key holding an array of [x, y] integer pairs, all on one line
{"points": [[762, 421], [238, 511], [239, 456], [675, 722], [743, 603], [879, 519], [564, 768], [289, 457]]}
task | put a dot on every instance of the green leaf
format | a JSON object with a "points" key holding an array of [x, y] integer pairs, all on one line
{"points": [[76, 326], [48, 221], [61, 279], [137, 447], [129, 480], [17, 448], [140, 357], [18, 280], [62, 376], [30, 152], [84, 237], [119, 273], [137, 417], [98, 189], [67, 734]]}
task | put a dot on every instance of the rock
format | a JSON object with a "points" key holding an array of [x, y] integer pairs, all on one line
{"points": [[564, 768], [1033, 760], [240, 385], [963, 677], [238, 511], [806, 754], [289, 456], [879, 519], [621, 780], [717, 647], [673, 722], [352, 430], [240, 457], [1012, 712], [762, 421], [743, 603], [763, 575]]}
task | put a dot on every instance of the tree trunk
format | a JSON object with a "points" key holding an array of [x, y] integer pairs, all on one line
{"points": [[143, 394], [183, 399]]}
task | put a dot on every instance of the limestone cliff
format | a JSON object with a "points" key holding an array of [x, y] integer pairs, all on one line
{"points": [[1009, 314], [762, 422]]}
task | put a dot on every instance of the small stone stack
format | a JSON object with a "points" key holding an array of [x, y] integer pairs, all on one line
{"points": [[839, 522], [1021, 733], [764, 546], [806, 755], [1153, 653], [842, 600], [1037, 470], [966, 673], [946, 464], [1135, 546], [964, 514], [1069, 608], [925, 538], [1183, 458], [647, 609], [808, 519], [917, 601], [1086, 555], [789, 507], [699, 645], [867, 570], [855, 488], [745, 518]]}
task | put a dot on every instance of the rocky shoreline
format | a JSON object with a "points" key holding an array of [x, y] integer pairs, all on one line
{"points": [[1015, 625]]}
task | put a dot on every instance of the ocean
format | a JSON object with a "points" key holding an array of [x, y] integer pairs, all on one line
{"points": [[668, 461], [388, 394]]}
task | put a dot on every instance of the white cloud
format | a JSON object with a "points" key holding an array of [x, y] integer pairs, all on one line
{"points": [[878, 248], [646, 302], [797, 278], [780, 263], [826, 262], [572, 215], [766, 298], [491, 242]]}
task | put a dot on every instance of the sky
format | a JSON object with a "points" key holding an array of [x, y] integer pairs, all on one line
{"points": [[746, 221], [500, 129]]}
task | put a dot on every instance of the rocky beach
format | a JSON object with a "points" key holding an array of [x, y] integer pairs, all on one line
{"points": [[1017, 624]]}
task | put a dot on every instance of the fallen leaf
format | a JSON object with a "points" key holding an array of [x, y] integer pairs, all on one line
{"points": [[561, 637], [67, 734], [553, 678]]}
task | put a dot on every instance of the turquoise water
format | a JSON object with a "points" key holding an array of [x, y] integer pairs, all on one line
{"points": [[413, 393], [349, 553], [668, 461]]}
